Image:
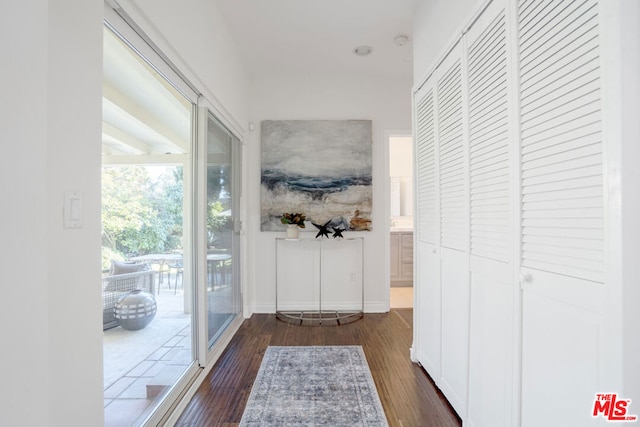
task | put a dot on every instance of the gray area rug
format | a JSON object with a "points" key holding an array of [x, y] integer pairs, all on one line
{"points": [[314, 386]]}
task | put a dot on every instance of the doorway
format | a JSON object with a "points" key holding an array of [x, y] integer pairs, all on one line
{"points": [[171, 191], [401, 221], [147, 142]]}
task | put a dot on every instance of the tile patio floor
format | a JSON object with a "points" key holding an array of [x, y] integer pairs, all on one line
{"points": [[138, 365]]}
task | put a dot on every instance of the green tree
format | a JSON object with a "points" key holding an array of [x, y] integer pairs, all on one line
{"points": [[167, 199], [139, 214]]}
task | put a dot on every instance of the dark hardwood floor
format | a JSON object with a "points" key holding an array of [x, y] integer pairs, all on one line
{"points": [[408, 395]]}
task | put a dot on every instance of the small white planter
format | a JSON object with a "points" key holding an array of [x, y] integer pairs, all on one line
{"points": [[292, 231]]}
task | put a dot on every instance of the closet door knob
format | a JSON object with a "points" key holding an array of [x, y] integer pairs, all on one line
{"points": [[525, 278]]}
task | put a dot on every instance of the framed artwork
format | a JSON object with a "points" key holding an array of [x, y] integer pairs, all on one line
{"points": [[320, 168]]}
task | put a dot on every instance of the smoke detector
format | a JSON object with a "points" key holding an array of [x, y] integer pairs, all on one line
{"points": [[363, 50], [401, 40]]}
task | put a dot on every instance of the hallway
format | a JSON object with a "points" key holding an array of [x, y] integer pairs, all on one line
{"points": [[401, 297], [408, 395]]}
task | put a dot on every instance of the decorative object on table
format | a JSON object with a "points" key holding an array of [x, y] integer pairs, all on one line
{"points": [[135, 310], [293, 222], [323, 229], [315, 385], [337, 233], [359, 223], [292, 231], [323, 167], [123, 278]]}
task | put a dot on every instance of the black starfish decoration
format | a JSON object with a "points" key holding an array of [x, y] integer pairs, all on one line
{"points": [[337, 232], [324, 229]]}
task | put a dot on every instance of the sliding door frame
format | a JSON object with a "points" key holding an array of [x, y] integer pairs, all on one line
{"points": [[170, 406], [208, 355]]}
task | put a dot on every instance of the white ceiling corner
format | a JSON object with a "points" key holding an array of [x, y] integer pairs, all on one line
{"points": [[318, 37]]}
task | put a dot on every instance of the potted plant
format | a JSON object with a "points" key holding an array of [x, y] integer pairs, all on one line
{"points": [[294, 221]]}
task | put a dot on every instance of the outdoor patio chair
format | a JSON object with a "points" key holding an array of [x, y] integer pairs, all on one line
{"points": [[178, 267]]}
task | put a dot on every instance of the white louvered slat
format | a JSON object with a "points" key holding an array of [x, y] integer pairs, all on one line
{"points": [[577, 138], [584, 243], [564, 204], [561, 153], [491, 196], [489, 148], [493, 203], [581, 182], [481, 186], [570, 154], [425, 169], [549, 38], [488, 169], [589, 169], [451, 159], [561, 194], [583, 53], [492, 160]]}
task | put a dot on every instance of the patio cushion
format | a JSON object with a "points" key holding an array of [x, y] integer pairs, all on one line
{"points": [[121, 267]]}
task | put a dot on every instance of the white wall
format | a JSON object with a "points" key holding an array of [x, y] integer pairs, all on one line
{"points": [[437, 23], [73, 164], [50, 132], [387, 103], [23, 132]]}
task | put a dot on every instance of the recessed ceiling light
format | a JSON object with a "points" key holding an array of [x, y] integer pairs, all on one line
{"points": [[363, 50]]}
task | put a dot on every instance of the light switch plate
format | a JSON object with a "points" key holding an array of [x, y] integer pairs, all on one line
{"points": [[73, 209]]}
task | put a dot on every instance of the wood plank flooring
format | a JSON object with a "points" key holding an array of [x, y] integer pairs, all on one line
{"points": [[408, 395]]}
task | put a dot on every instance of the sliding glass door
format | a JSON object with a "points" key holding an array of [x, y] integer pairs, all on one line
{"points": [[221, 282], [171, 193], [147, 139]]}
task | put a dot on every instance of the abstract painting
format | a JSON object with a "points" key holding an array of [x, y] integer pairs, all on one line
{"points": [[321, 168]]}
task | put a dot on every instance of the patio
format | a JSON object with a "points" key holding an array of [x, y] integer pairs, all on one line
{"points": [[139, 366]]}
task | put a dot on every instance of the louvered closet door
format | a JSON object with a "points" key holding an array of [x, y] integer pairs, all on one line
{"points": [[427, 232], [489, 139], [454, 228], [491, 338], [562, 210], [428, 219], [453, 198]]}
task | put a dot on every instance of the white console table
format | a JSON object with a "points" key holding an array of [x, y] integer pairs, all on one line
{"points": [[320, 280]]}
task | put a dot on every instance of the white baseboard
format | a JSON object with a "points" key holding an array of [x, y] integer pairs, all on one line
{"points": [[376, 307], [369, 307], [412, 355]]}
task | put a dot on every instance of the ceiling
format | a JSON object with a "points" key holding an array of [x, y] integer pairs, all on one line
{"points": [[144, 117], [319, 36], [141, 113]]}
